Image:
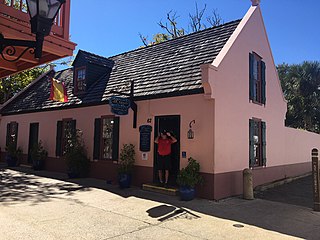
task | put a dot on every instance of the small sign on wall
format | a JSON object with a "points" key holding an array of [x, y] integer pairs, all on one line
{"points": [[184, 154], [144, 156], [145, 138]]}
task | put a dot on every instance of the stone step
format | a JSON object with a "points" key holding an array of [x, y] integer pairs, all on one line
{"points": [[28, 166], [172, 191]]}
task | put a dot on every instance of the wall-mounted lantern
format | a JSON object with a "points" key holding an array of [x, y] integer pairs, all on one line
{"points": [[191, 132], [42, 14]]}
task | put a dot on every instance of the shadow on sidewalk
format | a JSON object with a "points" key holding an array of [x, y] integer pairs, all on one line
{"points": [[292, 220], [24, 186]]}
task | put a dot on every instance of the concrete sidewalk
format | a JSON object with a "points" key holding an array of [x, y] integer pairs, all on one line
{"points": [[38, 207]]}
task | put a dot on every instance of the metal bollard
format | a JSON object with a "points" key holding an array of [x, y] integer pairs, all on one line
{"points": [[247, 184], [315, 180]]}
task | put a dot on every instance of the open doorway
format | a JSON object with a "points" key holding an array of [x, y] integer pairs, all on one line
{"points": [[171, 124]]}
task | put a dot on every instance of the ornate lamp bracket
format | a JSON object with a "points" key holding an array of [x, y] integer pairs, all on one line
{"points": [[8, 48]]}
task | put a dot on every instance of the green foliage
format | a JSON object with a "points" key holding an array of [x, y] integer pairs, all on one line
{"points": [[76, 155], [13, 151], [301, 87], [190, 175], [13, 84], [38, 152], [127, 159]]}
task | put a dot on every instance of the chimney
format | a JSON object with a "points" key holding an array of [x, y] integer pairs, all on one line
{"points": [[255, 2], [51, 66]]}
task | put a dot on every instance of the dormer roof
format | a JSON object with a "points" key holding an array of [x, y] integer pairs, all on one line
{"points": [[92, 58]]}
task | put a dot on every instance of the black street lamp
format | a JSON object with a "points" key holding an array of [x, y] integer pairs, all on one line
{"points": [[42, 14]]}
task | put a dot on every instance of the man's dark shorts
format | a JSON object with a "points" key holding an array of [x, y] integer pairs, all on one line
{"points": [[164, 162]]}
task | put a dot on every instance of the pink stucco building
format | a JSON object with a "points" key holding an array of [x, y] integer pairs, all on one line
{"points": [[221, 83]]}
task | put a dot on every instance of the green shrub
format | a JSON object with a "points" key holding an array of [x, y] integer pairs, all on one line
{"points": [[13, 151], [38, 152], [127, 159], [190, 175], [76, 156]]}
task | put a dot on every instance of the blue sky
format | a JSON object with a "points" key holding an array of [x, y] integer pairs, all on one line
{"points": [[108, 27]]}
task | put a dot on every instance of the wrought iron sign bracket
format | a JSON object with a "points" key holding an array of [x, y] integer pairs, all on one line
{"points": [[133, 105], [8, 47]]}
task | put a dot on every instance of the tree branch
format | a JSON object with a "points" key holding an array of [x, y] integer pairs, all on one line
{"points": [[215, 19], [144, 40], [196, 19]]}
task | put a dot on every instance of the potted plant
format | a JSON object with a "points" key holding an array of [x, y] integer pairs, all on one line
{"points": [[78, 164], [188, 178], [126, 163], [14, 155], [38, 156]]}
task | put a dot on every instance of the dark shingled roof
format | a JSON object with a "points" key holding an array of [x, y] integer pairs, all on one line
{"points": [[95, 59], [170, 68]]}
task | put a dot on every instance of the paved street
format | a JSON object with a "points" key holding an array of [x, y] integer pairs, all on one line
{"points": [[298, 192], [39, 207]]}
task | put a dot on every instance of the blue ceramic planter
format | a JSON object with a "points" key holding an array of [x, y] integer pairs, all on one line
{"points": [[11, 161], [73, 174], [38, 165], [187, 193], [124, 180]]}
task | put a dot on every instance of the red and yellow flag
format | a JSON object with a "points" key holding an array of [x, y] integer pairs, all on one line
{"points": [[58, 91]]}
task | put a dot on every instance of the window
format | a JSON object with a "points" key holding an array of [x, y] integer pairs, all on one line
{"points": [[257, 80], [81, 79], [257, 148], [65, 131], [12, 133], [106, 138]]}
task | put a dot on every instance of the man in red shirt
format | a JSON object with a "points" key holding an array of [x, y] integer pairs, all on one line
{"points": [[164, 142]]}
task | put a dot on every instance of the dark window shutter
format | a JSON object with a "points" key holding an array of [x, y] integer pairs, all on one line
{"points": [[16, 135], [115, 140], [8, 135], [59, 139], [263, 82], [264, 143], [251, 83], [251, 143], [97, 138]]}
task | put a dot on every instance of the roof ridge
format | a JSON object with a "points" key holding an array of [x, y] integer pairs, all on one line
{"points": [[62, 70], [171, 40], [175, 39], [93, 54]]}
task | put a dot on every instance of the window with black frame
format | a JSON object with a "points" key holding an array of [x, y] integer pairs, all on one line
{"points": [[106, 138], [257, 146], [66, 129], [81, 79], [12, 133], [257, 79]]}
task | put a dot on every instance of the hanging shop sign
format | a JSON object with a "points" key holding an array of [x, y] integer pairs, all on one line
{"points": [[145, 138], [119, 105]]}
